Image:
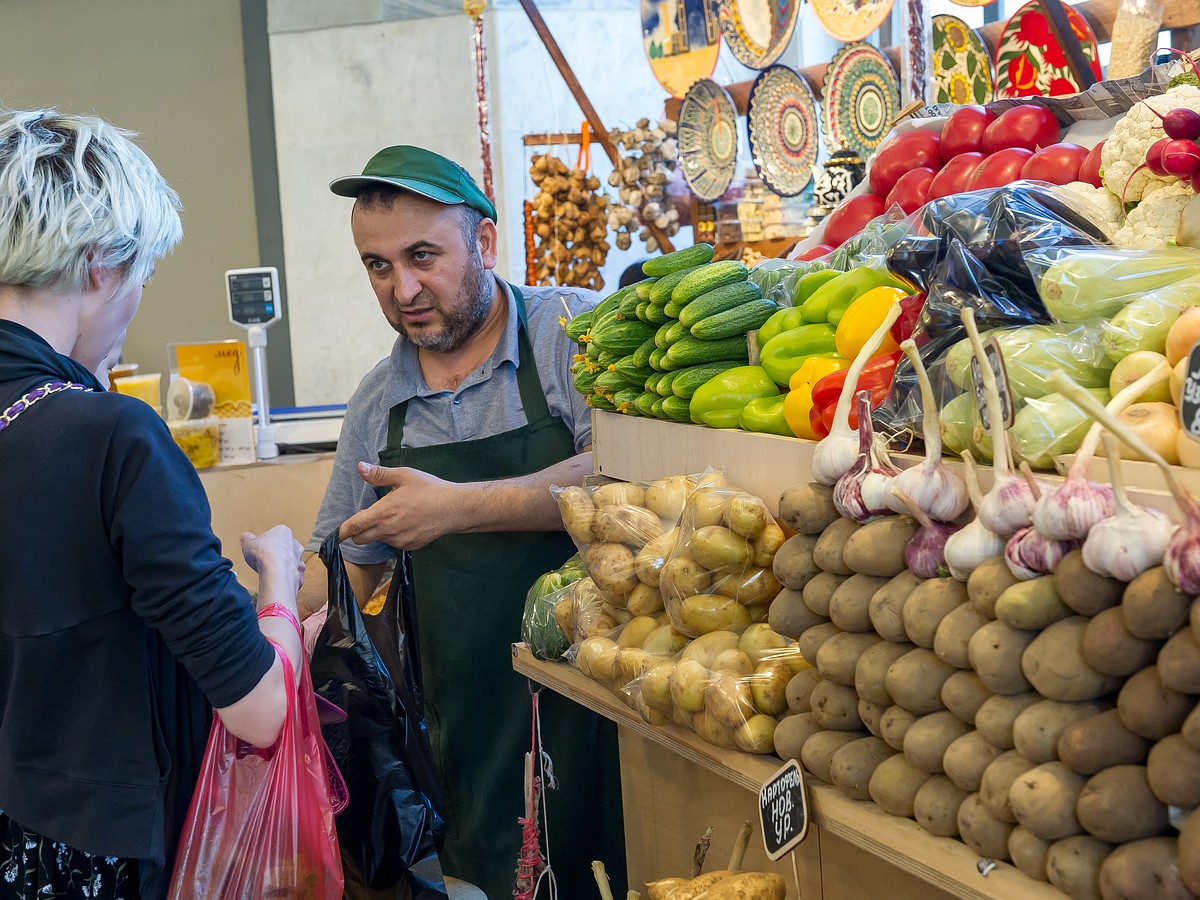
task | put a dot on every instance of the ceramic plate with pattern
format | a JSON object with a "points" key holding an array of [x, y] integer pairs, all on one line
{"points": [[784, 134], [861, 99], [851, 20], [1030, 62], [682, 39], [758, 31], [707, 134], [962, 67], [972, 3]]}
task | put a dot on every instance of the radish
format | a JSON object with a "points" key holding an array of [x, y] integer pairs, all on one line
{"points": [[1181, 158]]}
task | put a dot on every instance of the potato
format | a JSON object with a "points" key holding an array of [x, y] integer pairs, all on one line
{"points": [[681, 577], [794, 564], [747, 516], [1073, 866], [705, 507], [636, 630], [1173, 772], [683, 718], [578, 512], [1179, 662], [894, 785], [800, 689], [894, 725], [594, 619], [634, 526], [664, 641], [749, 886], [649, 561], [926, 606], [849, 608], [792, 732], [644, 600], [715, 547], [1143, 870], [1150, 709], [1117, 805], [1110, 649], [926, 741], [632, 664], [887, 606], [1189, 852], [760, 642], [967, 758], [963, 694], [702, 613], [915, 681], [936, 806], [853, 765], [597, 659], [810, 642], [1055, 667], [1028, 852], [995, 653], [877, 548], [1191, 729], [818, 751], [733, 661], [808, 508], [611, 567], [1037, 728], [666, 497], [1043, 800], [838, 657], [727, 697], [997, 715], [753, 586], [998, 779], [954, 634], [766, 545], [1099, 742], [789, 654], [564, 616], [661, 889], [1152, 608], [872, 716], [689, 681], [986, 583], [756, 734], [1082, 589], [656, 686], [829, 547], [706, 648], [982, 831], [789, 615], [835, 706], [619, 493], [768, 687], [819, 591], [871, 669], [1031, 605], [711, 729]]}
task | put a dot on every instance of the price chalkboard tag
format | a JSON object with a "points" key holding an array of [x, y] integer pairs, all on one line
{"points": [[991, 349], [783, 806], [1189, 403]]}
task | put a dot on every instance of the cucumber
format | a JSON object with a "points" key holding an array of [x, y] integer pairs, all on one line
{"points": [[641, 356], [606, 359], [640, 312], [635, 375], [621, 336], [592, 352], [686, 381], [660, 336], [677, 408], [628, 304], [717, 301], [608, 305], [655, 313], [738, 320], [695, 255], [625, 400], [672, 309], [692, 351], [652, 382], [579, 325], [595, 401], [656, 408], [663, 388], [676, 331], [709, 278], [642, 288], [661, 292], [585, 381], [656, 359], [608, 383], [645, 402]]}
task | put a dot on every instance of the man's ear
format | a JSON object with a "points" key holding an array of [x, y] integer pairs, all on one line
{"points": [[488, 244]]}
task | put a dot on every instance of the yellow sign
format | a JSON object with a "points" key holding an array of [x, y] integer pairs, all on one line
{"points": [[222, 365]]}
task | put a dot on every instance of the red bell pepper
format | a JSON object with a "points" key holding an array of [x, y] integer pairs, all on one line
{"points": [[876, 377], [910, 312]]}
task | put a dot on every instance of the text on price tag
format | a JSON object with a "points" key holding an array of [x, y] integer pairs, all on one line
{"points": [[783, 807], [991, 349], [1189, 402]]}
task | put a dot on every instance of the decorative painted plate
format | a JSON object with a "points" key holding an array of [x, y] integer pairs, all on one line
{"points": [[851, 20], [972, 2], [1030, 62], [758, 31], [682, 39], [707, 135], [782, 119], [962, 66], [861, 99]]}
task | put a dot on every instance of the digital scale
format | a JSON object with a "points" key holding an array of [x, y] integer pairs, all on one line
{"points": [[256, 304]]}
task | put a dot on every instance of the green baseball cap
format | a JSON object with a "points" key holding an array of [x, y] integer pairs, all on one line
{"points": [[420, 171]]}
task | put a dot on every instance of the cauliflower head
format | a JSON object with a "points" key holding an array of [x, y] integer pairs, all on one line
{"points": [[1104, 207], [1154, 222], [1125, 149]]}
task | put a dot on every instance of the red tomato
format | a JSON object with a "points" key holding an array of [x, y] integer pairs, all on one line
{"points": [[848, 219], [910, 190], [963, 131], [816, 252], [1090, 170], [955, 176], [1030, 125], [1000, 168], [1058, 163], [910, 150]]}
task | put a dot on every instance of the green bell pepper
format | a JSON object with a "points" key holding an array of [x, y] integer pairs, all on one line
{"points": [[787, 351], [784, 320], [719, 402], [765, 416], [809, 282], [829, 301]]}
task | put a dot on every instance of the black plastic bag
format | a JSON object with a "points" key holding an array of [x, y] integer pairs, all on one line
{"points": [[392, 829]]}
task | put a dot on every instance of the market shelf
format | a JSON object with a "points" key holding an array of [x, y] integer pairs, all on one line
{"points": [[942, 862]]}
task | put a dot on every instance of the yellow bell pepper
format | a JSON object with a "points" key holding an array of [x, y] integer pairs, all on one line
{"points": [[863, 317], [798, 401]]}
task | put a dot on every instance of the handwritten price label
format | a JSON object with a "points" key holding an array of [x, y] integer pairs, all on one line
{"points": [[991, 349], [783, 808], [1189, 403]]}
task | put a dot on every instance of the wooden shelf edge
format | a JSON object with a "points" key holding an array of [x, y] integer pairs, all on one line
{"points": [[943, 862]]}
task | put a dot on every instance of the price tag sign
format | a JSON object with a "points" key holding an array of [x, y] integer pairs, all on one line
{"points": [[783, 807], [991, 349], [1189, 403]]}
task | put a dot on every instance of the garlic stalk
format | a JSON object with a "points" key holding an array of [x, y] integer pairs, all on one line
{"points": [[858, 494], [1009, 504], [836, 452], [1132, 539], [937, 491], [925, 552], [974, 543], [1181, 560], [1070, 509]]}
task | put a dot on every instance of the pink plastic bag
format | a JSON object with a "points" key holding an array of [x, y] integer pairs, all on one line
{"points": [[261, 821]]}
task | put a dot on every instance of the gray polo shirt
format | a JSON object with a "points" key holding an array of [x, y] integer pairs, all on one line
{"points": [[488, 402]]}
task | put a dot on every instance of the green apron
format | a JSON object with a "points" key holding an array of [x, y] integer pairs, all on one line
{"points": [[469, 593]]}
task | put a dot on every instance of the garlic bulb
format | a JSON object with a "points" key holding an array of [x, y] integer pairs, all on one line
{"points": [[859, 493], [974, 543], [925, 552], [1029, 553]]}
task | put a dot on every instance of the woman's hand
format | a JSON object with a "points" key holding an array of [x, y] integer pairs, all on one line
{"points": [[275, 550]]}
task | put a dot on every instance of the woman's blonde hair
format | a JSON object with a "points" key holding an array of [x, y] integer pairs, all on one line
{"points": [[78, 196]]}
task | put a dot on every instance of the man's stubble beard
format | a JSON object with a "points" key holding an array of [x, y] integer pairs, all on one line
{"points": [[470, 309]]}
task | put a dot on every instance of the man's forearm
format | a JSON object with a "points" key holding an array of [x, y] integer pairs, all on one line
{"points": [[520, 504]]}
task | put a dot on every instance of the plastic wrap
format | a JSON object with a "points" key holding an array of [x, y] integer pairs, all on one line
{"points": [[1134, 37], [1050, 426], [539, 627]]}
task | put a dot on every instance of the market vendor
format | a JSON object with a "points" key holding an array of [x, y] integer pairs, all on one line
{"points": [[448, 449]]}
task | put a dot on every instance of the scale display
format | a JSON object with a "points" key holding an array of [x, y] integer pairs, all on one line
{"points": [[253, 296]]}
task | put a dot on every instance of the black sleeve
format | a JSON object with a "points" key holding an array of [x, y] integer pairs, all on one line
{"points": [[160, 526]]}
